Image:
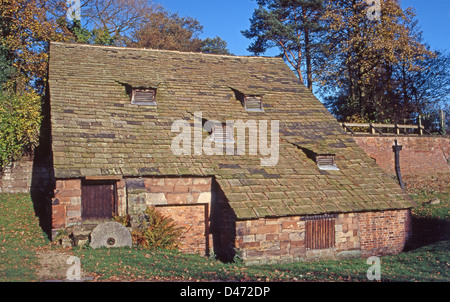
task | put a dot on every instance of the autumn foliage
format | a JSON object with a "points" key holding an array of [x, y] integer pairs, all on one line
{"points": [[25, 31], [28, 26], [373, 66]]}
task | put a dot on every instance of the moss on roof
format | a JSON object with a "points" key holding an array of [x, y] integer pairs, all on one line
{"points": [[97, 131]]}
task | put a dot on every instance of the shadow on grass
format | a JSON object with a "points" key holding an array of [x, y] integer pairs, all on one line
{"points": [[42, 179], [426, 231]]}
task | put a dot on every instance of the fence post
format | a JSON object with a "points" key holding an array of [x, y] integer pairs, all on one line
{"points": [[372, 128], [442, 115], [420, 125]]}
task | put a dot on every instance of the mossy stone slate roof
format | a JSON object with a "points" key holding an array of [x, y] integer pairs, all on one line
{"points": [[96, 130]]}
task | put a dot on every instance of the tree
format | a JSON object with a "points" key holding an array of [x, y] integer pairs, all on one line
{"points": [[20, 119], [428, 87], [95, 36], [427, 91], [137, 23], [165, 30], [26, 28], [214, 46], [6, 68], [290, 25], [25, 31], [116, 19], [361, 56]]}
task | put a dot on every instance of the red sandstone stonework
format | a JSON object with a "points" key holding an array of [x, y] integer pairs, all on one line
{"points": [[270, 240], [193, 221], [66, 204], [186, 200], [356, 234]]}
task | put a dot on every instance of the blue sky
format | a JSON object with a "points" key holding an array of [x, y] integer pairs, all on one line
{"points": [[226, 19]]}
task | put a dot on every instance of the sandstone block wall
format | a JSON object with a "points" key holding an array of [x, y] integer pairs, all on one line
{"points": [[66, 204], [186, 200], [271, 240], [347, 236], [356, 234], [193, 220], [141, 193], [25, 176]]}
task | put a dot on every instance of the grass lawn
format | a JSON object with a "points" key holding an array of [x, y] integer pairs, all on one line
{"points": [[20, 237], [429, 263], [428, 258]]}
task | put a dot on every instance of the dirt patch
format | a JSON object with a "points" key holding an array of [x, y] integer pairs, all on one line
{"points": [[54, 265]]}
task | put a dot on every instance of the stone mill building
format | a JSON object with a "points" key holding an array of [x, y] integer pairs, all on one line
{"points": [[117, 113]]}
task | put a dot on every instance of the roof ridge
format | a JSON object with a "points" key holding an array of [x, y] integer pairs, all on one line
{"points": [[161, 50]]}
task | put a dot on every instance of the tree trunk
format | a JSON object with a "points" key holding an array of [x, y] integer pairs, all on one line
{"points": [[309, 79]]}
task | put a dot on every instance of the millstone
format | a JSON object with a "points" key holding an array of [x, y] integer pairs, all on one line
{"points": [[110, 234]]}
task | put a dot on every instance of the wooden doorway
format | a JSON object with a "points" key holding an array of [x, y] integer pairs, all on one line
{"points": [[98, 200]]}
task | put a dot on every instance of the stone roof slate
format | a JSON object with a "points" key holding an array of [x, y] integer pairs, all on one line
{"points": [[96, 131]]}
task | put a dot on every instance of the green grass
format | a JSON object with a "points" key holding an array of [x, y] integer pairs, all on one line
{"points": [[429, 263], [425, 210], [431, 223], [20, 236], [427, 260]]}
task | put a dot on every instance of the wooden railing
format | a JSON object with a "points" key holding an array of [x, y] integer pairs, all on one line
{"points": [[377, 128]]}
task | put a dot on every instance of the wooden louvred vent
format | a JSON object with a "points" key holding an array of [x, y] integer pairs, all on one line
{"points": [[253, 103], [326, 162], [222, 133], [144, 97]]}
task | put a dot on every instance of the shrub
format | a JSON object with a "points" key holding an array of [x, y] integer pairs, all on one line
{"points": [[154, 230], [20, 120], [125, 220]]}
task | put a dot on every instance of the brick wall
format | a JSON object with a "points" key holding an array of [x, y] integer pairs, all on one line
{"points": [[384, 232], [209, 222], [193, 220], [222, 226], [421, 158]]}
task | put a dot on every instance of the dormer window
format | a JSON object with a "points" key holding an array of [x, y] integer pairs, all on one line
{"points": [[253, 103], [326, 162], [222, 133], [144, 97]]}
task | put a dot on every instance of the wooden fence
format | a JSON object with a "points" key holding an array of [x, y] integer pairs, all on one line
{"points": [[364, 128]]}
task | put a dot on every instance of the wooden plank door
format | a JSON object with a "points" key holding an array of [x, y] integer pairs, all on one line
{"points": [[98, 200]]}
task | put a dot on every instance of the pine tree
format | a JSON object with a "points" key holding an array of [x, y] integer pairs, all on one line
{"points": [[293, 27]]}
